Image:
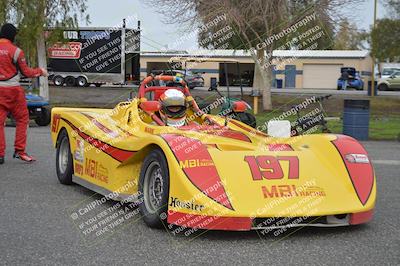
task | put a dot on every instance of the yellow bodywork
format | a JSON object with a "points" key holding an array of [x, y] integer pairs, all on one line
{"points": [[323, 186]]}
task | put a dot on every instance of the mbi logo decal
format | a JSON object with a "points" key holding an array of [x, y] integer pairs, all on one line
{"points": [[279, 191], [195, 163]]}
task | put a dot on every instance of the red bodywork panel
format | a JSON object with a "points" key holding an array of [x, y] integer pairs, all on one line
{"points": [[361, 174]]}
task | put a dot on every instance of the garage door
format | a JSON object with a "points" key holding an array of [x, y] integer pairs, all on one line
{"points": [[317, 76]]}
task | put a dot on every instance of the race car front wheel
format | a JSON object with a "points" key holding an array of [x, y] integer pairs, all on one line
{"points": [[154, 189], [64, 163]]}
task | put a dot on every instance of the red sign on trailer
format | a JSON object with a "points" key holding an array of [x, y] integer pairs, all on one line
{"points": [[70, 50]]}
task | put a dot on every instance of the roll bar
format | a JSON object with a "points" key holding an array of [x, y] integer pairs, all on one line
{"points": [[143, 90]]}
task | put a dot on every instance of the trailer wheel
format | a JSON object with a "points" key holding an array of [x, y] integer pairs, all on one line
{"points": [[81, 81], [70, 81], [58, 81]]}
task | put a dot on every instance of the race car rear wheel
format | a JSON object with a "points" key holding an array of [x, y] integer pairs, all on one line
{"points": [[64, 162], [154, 189]]}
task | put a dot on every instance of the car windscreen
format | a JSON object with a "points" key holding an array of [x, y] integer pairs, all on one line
{"points": [[389, 71]]}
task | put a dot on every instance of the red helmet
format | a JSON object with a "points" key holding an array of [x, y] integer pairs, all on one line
{"points": [[173, 108]]}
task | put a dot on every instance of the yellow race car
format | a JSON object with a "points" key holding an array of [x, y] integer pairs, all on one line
{"points": [[214, 172]]}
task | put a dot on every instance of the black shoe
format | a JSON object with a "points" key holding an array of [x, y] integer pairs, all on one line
{"points": [[1, 160]]}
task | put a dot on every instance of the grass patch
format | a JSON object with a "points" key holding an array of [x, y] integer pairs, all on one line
{"points": [[384, 114]]}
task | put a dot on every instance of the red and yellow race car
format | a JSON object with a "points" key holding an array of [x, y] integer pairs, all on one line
{"points": [[213, 172]]}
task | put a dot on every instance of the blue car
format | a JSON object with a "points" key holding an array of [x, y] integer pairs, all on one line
{"points": [[354, 81], [39, 109]]}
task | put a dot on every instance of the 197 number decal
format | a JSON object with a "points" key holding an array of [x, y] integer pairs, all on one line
{"points": [[269, 167]]}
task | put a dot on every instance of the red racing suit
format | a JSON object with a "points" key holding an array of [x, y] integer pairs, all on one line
{"points": [[12, 95]]}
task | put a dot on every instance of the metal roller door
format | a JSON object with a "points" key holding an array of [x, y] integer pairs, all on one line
{"points": [[320, 76]]}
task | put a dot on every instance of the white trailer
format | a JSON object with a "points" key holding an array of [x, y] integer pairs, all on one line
{"points": [[95, 56]]}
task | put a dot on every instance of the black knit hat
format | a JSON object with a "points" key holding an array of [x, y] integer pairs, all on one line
{"points": [[8, 31]]}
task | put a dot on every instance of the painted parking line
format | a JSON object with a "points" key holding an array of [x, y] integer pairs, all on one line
{"points": [[386, 162]]}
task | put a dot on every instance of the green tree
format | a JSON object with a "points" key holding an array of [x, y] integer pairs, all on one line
{"points": [[393, 7], [385, 38], [348, 37], [253, 21], [34, 17]]}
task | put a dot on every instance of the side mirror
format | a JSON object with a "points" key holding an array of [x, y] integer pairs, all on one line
{"points": [[279, 129], [150, 106]]}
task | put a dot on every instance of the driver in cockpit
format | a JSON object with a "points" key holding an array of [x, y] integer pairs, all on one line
{"points": [[173, 110]]}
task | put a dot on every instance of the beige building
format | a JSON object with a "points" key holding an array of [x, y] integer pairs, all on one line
{"points": [[314, 69]]}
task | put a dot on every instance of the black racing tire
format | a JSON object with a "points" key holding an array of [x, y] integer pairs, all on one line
{"points": [[81, 81], [154, 172], [44, 118], [98, 85], [64, 161], [70, 81], [383, 87], [247, 118], [58, 81]]}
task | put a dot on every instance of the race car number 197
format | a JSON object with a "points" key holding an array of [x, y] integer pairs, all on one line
{"points": [[269, 167]]}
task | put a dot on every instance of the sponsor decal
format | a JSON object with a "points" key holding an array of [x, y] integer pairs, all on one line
{"points": [[56, 123], [70, 50], [280, 191], [177, 203], [204, 178], [195, 163], [358, 166], [269, 167], [114, 152], [149, 130], [79, 154], [229, 134], [279, 147], [78, 169], [96, 170], [102, 127]]}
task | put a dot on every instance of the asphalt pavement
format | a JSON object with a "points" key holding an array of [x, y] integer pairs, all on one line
{"points": [[37, 225]]}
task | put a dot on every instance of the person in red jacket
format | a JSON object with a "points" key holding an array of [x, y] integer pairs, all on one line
{"points": [[12, 95]]}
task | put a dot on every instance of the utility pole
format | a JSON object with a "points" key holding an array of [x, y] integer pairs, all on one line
{"points": [[373, 57], [42, 62]]}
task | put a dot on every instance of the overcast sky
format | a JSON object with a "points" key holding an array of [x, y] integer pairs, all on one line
{"points": [[156, 34]]}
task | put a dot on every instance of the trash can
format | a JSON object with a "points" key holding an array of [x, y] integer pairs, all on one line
{"points": [[279, 83], [356, 118], [213, 84]]}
